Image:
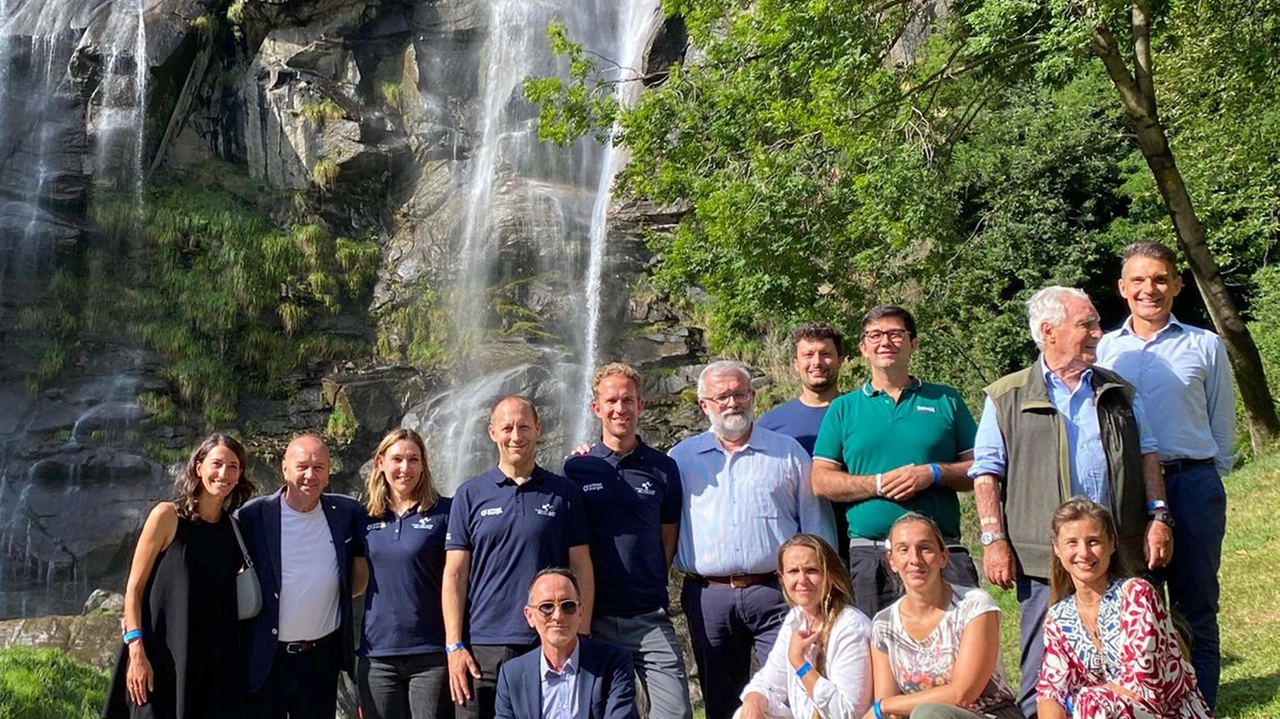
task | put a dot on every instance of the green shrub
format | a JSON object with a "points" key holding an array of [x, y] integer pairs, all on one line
{"points": [[392, 94], [317, 112], [47, 684], [325, 174]]}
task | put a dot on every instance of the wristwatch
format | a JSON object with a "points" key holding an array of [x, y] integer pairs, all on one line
{"points": [[1162, 515], [989, 538]]}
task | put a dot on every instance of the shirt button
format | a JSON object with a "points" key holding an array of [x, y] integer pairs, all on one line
{"points": [[277, 595], [273, 631]]}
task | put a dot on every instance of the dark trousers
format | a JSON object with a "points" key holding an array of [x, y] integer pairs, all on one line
{"points": [[415, 686], [484, 691], [1198, 504], [301, 686], [725, 624], [1033, 601], [876, 587]]}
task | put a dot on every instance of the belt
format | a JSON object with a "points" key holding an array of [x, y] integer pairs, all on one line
{"points": [[737, 581], [1174, 466], [862, 542], [302, 647]]}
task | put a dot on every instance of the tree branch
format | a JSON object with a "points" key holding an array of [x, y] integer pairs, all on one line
{"points": [[1104, 46], [1141, 22]]}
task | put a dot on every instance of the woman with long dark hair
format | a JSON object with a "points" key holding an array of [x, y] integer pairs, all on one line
{"points": [[182, 657], [936, 651], [820, 665], [1110, 648], [402, 671]]}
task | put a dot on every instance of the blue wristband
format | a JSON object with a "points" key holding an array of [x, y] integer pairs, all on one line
{"points": [[458, 646], [803, 670], [875, 709], [132, 635], [937, 472], [1157, 505]]}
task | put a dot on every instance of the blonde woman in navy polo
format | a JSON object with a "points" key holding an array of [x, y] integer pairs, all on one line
{"points": [[402, 670]]}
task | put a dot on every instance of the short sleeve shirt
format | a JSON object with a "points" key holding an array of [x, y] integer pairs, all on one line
{"points": [[628, 499], [402, 613], [866, 432], [513, 532], [795, 419], [920, 665]]}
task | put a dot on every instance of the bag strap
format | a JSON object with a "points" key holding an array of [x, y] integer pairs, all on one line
{"points": [[235, 527]]}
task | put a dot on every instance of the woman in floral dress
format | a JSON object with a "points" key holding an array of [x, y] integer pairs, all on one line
{"points": [[1110, 649]]}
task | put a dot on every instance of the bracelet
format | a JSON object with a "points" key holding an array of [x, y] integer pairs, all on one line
{"points": [[803, 670], [455, 647], [983, 479], [879, 489], [989, 520], [1156, 505], [132, 635], [937, 472], [875, 709]]}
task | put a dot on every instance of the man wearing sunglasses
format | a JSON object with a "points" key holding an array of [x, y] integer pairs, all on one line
{"points": [[633, 510], [892, 446], [504, 527], [746, 491], [567, 676]]}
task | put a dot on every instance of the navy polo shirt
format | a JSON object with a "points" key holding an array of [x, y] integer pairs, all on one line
{"points": [[513, 532], [629, 498], [795, 419], [402, 613]]}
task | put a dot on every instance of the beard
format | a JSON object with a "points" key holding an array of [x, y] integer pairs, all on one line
{"points": [[731, 426]]}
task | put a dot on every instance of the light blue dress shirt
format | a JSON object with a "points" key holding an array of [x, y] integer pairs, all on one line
{"points": [[740, 507], [1185, 380], [560, 688], [1089, 472]]}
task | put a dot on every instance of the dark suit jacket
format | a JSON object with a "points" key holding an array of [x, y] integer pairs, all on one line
{"points": [[606, 684], [260, 524]]}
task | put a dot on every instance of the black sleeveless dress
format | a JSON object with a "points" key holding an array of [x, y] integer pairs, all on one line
{"points": [[191, 632]]}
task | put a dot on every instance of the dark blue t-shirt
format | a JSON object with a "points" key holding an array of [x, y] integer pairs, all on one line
{"points": [[628, 498], [513, 532], [795, 419], [402, 613]]}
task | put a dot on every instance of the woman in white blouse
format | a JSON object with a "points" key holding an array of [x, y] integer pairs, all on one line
{"points": [[820, 665]]}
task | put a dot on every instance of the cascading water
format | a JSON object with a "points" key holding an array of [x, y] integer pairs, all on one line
{"points": [[534, 230]]}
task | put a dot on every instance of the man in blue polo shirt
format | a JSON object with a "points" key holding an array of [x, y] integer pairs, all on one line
{"points": [[1184, 378], [505, 526], [893, 446], [633, 501]]}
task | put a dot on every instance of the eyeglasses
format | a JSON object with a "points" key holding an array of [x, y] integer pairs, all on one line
{"points": [[895, 336], [737, 397], [568, 606]]}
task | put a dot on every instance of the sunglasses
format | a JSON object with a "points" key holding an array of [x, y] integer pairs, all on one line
{"points": [[568, 606]]}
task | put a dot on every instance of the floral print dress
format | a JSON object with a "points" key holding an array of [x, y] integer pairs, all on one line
{"points": [[1140, 654]]}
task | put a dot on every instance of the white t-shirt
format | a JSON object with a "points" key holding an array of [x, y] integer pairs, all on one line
{"points": [[308, 575]]}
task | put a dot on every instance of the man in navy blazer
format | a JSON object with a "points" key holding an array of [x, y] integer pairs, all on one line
{"points": [[308, 553], [567, 676]]}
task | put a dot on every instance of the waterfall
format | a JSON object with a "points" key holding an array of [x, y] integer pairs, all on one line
{"points": [[526, 295]]}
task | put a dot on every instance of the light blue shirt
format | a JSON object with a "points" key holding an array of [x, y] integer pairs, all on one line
{"points": [[1088, 459], [740, 507], [560, 688], [1185, 379]]}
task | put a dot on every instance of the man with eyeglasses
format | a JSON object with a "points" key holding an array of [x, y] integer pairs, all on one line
{"points": [[633, 498], [746, 491], [567, 676], [895, 445], [504, 527]]}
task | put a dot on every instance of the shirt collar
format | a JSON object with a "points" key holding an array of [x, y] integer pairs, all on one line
{"points": [[913, 385], [602, 451], [1127, 327], [496, 475], [709, 442], [570, 665], [1051, 379]]}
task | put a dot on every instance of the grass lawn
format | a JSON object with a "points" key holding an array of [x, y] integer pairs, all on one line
{"points": [[1250, 618]]}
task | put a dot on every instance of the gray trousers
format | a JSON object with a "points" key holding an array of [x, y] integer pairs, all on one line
{"points": [[948, 711], [651, 639]]}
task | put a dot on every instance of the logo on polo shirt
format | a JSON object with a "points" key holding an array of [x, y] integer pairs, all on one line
{"points": [[593, 487], [375, 526], [491, 512], [546, 510], [925, 408], [646, 488], [424, 523]]}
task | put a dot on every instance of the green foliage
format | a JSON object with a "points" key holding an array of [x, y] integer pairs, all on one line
{"points": [[1266, 323], [321, 110], [415, 331], [235, 12], [572, 108], [47, 684], [325, 174], [207, 24], [392, 94], [342, 423]]}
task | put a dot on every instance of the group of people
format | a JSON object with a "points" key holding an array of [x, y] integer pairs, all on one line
{"points": [[535, 594]]}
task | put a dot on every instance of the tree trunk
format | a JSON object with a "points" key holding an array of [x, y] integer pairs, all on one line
{"points": [[1137, 96]]}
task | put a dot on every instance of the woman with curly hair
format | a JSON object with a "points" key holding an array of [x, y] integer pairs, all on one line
{"points": [[1110, 650], [820, 665], [182, 657]]}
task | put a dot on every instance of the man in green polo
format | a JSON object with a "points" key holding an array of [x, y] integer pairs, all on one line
{"points": [[893, 446]]}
